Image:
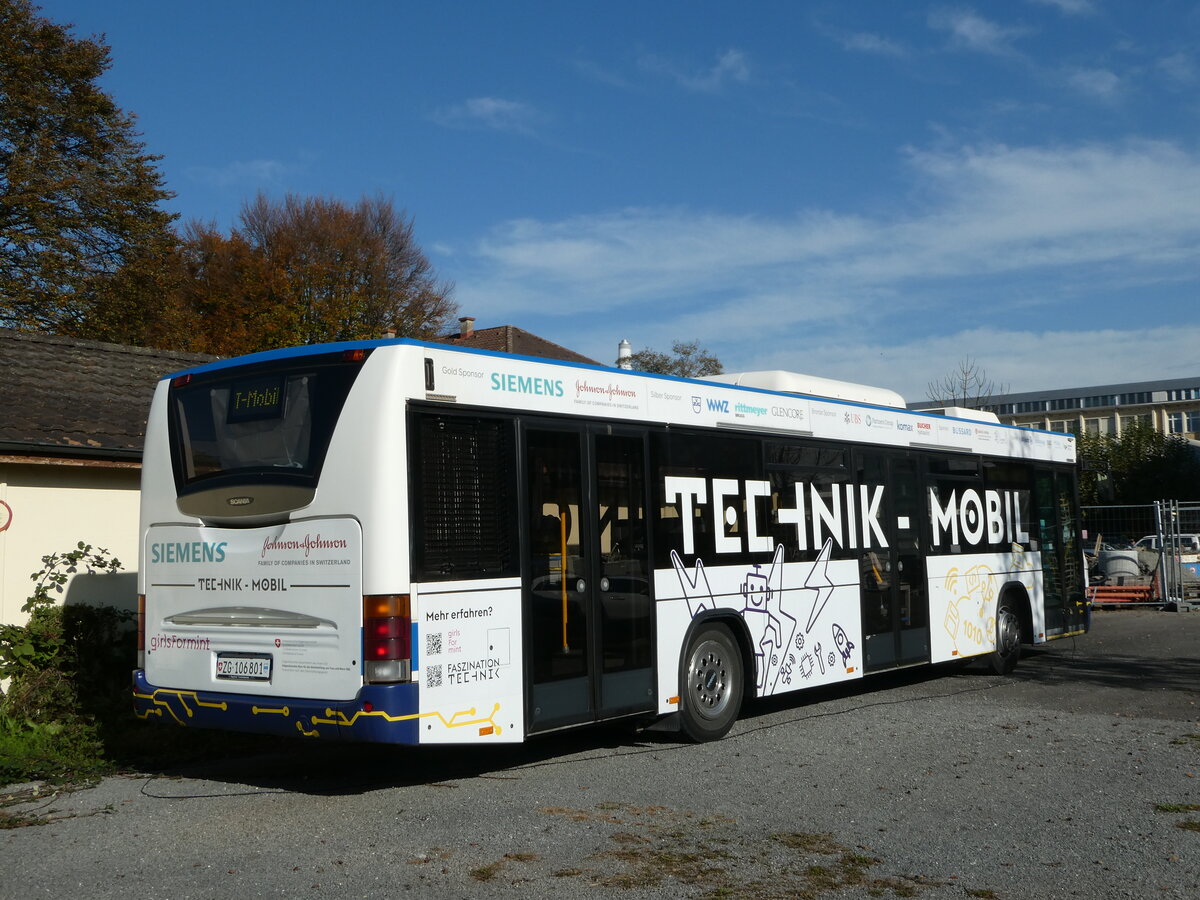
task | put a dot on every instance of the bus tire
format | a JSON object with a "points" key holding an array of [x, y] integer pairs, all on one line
{"points": [[1008, 637], [712, 680]]}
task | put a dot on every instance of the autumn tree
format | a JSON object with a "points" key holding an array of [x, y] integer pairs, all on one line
{"points": [[79, 196], [687, 360], [300, 271], [967, 385]]}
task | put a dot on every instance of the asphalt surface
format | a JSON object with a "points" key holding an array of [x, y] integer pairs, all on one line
{"points": [[1071, 778]]}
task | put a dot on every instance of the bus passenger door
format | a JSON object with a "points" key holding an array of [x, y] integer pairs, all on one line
{"points": [[588, 606], [895, 608], [1058, 540]]}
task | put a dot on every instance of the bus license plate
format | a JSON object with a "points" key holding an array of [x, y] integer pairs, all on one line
{"points": [[243, 667]]}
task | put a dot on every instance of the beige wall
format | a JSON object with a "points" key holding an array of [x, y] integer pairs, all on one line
{"points": [[53, 508]]}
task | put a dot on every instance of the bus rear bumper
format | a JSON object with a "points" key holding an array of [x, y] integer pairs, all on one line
{"points": [[379, 713]]}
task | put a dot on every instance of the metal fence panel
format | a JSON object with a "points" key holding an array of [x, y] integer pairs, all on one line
{"points": [[1143, 555]]}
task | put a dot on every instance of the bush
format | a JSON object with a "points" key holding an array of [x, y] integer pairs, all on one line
{"points": [[69, 670]]}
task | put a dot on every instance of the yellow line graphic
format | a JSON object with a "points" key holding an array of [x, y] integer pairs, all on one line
{"points": [[336, 717], [182, 698], [165, 698], [262, 710]]}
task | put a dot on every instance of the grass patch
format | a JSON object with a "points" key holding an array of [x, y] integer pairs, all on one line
{"points": [[1177, 807], [809, 843], [1188, 825], [491, 870], [1192, 740], [488, 872]]}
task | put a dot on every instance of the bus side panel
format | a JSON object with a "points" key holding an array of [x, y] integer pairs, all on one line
{"points": [[467, 652], [963, 593], [803, 619]]}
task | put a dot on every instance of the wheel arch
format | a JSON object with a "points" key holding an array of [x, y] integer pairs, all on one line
{"points": [[737, 627], [1018, 595]]}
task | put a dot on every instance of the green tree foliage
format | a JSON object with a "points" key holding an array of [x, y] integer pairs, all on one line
{"points": [[79, 196], [1140, 465], [302, 271], [687, 360]]}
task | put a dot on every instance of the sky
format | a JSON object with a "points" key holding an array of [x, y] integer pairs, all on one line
{"points": [[873, 191]]}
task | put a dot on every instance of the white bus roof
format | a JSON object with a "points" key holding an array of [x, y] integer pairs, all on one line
{"points": [[811, 386]]}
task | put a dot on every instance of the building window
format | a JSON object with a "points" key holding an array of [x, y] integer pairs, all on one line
{"points": [[1102, 425], [1128, 422], [1065, 403], [1139, 397], [1184, 394], [1193, 421], [1059, 425], [1175, 423]]}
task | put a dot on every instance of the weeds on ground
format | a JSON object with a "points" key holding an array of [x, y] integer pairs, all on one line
{"points": [[1186, 824], [654, 847]]}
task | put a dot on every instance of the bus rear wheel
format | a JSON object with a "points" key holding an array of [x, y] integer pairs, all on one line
{"points": [[712, 682], [1008, 638]]}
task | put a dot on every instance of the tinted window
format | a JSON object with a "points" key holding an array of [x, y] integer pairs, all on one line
{"points": [[265, 424], [463, 494]]}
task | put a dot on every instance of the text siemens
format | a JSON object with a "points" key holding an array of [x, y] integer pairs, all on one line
{"points": [[187, 552], [521, 384]]}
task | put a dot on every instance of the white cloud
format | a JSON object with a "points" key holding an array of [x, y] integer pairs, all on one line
{"points": [[1017, 359], [731, 66], [1070, 7], [969, 31], [1180, 69], [865, 42], [1099, 83], [242, 172], [492, 113], [1055, 240]]}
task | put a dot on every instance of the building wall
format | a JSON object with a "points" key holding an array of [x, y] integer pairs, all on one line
{"points": [[1182, 418], [53, 508]]}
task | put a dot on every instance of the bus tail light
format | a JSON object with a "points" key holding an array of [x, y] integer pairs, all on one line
{"points": [[141, 631], [387, 638]]}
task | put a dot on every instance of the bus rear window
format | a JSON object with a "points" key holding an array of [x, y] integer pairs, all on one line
{"points": [[263, 424]]}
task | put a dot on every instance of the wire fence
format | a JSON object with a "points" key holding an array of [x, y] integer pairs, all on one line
{"points": [[1143, 555]]}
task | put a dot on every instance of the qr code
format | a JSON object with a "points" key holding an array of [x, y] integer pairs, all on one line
{"points": [[433, 644], [433, 676]]}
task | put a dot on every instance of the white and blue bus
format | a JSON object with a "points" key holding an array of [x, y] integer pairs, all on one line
{"points": [[411, 543]]}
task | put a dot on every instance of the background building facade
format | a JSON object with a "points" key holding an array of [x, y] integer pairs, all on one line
{"points": [[1172, 406]]}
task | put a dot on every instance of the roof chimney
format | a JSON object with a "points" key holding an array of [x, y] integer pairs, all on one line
{"points": [[466, 325], [389, 333], [624, 352]]}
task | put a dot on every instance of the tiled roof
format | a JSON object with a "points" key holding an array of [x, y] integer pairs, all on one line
{"points": [[64, 396], [511, 339]]}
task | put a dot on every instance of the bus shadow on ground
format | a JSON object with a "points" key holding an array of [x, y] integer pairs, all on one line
{"points": [[1072, 676], [344, 768], [290, 765]]}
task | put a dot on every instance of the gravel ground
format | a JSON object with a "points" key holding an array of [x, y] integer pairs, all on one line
{"points": [[1071, 778]]}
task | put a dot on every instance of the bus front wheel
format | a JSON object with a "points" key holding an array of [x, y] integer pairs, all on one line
{"points": [[1008, 638], [712, 682]]}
